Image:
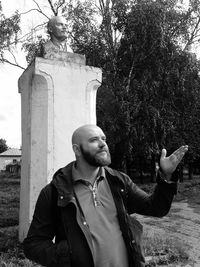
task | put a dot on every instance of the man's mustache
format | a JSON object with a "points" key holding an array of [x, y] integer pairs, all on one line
{"points": [[103, 150]]}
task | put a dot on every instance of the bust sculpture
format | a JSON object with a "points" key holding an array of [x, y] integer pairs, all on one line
{"points": [[57, 46]]}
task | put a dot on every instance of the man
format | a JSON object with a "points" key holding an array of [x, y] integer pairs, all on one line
{"points": [[57, 29], [86, 209]]}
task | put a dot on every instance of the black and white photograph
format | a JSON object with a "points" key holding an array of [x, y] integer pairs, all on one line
{"points": [[99, 133]]}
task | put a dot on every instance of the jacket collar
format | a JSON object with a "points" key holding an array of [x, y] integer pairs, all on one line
{"points": [[63, 182]]}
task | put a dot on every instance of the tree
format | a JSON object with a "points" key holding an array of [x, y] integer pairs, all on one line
{"points": [[3, 145], [9, 29], [149, 94], [162, 78], [150, 85], [144, 72]]}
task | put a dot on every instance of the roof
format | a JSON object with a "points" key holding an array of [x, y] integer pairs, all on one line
{"points": [[12, 152]]}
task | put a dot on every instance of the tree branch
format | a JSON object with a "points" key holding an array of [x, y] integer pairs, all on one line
{"points": [[61, 4], [129, 76], [33, 9], [13, 64], [30, 33], [27, 35], [52, 8], [40, 10], [192, 36]]}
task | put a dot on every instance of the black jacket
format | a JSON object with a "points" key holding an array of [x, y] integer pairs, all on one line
{"points": [[58, 235]]}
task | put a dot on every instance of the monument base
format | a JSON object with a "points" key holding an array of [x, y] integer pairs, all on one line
{"points": [[57, 97]]}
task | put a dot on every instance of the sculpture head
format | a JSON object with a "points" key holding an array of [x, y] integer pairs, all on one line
{"points": [[57, 28]]}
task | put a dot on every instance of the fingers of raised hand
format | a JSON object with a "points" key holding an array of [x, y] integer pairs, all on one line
{"points": [[164, 153], [180, 152]]}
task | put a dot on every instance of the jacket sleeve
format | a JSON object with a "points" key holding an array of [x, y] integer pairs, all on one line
{"points": [[39, 245], [156, 204]]}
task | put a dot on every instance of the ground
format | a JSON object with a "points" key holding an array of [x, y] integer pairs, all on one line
{"points": [[169, 241], [182, 222]]}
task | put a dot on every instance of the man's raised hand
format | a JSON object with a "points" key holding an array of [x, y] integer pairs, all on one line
{"points": [[169, 164]]}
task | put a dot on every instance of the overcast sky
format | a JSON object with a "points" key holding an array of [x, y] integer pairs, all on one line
{"points": [[10, 102], [10, 106]]}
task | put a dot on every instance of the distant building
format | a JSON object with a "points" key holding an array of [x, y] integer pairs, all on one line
{"points": [[11, 156]]}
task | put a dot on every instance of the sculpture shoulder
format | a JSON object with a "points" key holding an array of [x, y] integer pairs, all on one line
{"points": [[51, 51], [49, 46]]}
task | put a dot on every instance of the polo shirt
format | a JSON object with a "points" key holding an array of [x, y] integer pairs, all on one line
{"points": [[100, 213]]}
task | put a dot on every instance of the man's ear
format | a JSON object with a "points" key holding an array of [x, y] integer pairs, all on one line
{"points": [[76, 150], [50, 28]]}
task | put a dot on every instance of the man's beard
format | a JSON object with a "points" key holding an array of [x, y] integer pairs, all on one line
{"points": [[96, 160]]}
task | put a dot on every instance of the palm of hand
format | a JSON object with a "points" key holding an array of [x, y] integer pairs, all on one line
{"points": [[169, 164]]}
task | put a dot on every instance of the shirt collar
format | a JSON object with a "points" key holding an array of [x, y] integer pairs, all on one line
{"points": [[76, 176], [61, 45]]}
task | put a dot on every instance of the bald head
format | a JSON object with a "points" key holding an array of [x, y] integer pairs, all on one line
{"points": [[54, 20], [89, 145], [83, 132], [57, 27]]}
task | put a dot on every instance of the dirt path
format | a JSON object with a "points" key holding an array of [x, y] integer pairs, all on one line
{"points": [[183, 223]]}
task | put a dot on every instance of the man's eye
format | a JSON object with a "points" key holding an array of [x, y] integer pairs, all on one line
{"points": [[93, 139]]}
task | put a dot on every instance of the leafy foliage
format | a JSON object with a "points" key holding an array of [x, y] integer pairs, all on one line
{"points": [[33, 48], [149, 98], [9, 28], [3, 145], [148, 79]]}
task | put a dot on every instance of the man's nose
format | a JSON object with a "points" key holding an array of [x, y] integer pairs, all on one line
{"points": [[102, 143]]}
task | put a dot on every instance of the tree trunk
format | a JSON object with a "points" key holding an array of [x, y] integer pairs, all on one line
{"points": [[140, 168], [153, 168], [180, 173], [191, 170], [141, 176]]}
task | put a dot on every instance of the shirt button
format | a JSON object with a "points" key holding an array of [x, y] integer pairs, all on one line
{"points": [[122, 190], [84, 223], [61, 197], [133, 241]]}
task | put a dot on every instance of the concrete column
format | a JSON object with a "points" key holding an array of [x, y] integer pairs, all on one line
{"points": [[57, 97]]}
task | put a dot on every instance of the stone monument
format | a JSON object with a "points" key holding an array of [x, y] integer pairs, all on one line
{"points": [[57, 46], [58, 94]]}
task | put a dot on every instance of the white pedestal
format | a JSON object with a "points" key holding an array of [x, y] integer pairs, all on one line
{"points": [[57, 97]]}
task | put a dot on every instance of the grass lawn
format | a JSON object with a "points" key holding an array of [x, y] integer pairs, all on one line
{"points": [[160, 250]]}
